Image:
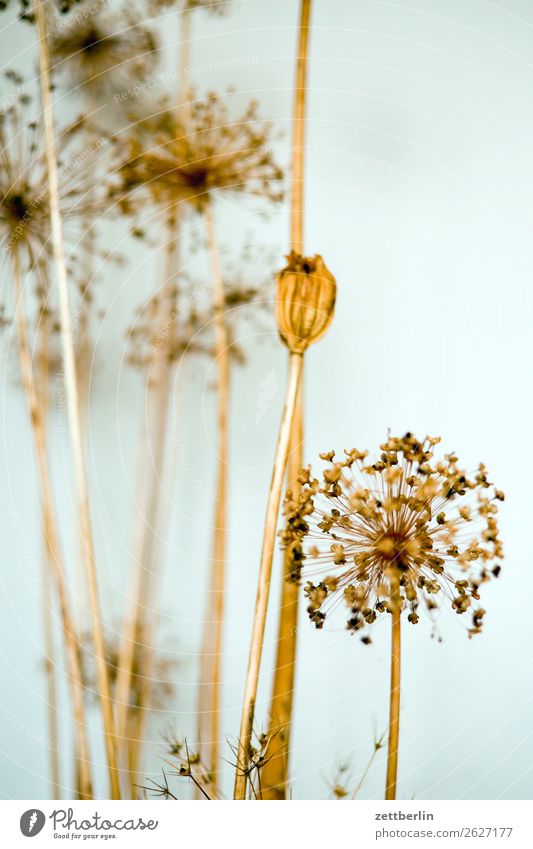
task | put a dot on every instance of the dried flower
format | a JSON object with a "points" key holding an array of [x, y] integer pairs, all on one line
{"points": [[184, 159], [179, 335], [162, 673], [99, 49], [26, 7], [405, 516], [24, 209], [305, 301], [25, 230]]}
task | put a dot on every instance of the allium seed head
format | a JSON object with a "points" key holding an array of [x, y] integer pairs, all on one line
{"points": [[102, 50], [171, 160], [405, 519]]}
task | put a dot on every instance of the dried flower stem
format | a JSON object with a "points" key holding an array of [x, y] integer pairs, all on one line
{"points": [[265, 571], [394, 716], [73, 402], [47, 572], [51, 539], [214, 625], [158, 399], [184, 61], [368, 767], [300, 98], [136, 722], [274, 775], [50, 672], [144, 640], [144, 568]]}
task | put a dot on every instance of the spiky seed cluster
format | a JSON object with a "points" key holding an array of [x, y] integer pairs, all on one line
{"points": [[185, 159], [25, 7], [404, 518], [24, 217], [100, 49], [305, 301], [162, 687], [184, 333], [24, 210], [178, 335]]}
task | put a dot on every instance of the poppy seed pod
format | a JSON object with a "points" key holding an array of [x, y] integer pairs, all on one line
{"points": [[305, 301]]}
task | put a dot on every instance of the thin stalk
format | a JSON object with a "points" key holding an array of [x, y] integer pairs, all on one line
{"points": [[51, 539], [214, 624], [157, 403], [265, 572], [298, 131], [183, 63], [368, 767], [135, 729], [50, 672], [73, 404], [394, 714], [151, 472], [138, 715], [275, 773], [47, 571]]}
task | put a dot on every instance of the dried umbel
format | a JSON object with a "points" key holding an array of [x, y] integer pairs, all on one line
{"points": [[305, 301], [178, 337], [25, 7], [98, 49], [24, 202], [403, 520], [188, 159], [162, 672]]}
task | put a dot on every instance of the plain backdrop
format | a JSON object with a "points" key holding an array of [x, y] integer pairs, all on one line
{"points": [[419, 197]]}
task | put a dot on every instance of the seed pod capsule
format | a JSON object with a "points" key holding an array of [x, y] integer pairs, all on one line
{"points": [[305, 301]]}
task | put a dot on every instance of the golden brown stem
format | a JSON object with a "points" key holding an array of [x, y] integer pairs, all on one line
{"points": [[274, 775], [265, 571], [298, 132], [50, 671], [136, 721], [184, 60], [211, 661], [138, 630], [51, 540], [73, 406], [47, 572], [137, 643], [394, 716], [143, 680]]}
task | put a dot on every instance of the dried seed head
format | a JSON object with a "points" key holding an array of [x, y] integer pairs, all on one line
{"points": [[170, 161], [305, 301], [402, 519]]}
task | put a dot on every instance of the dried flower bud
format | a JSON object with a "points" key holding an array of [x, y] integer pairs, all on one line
{"points": [[305, 301]]}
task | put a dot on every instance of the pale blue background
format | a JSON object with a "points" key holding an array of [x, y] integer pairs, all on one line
{"points": [[419, 196]]}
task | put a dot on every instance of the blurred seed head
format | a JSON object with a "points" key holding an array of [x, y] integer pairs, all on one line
{"points": [[102, 50], [185, 156], [24, 209]]}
